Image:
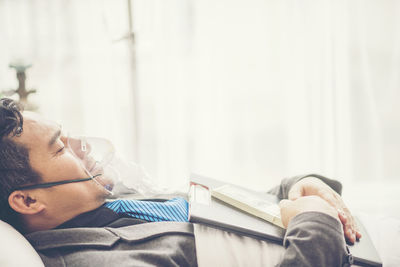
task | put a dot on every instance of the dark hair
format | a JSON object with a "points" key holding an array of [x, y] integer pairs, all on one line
{"points": [[15, 169]]}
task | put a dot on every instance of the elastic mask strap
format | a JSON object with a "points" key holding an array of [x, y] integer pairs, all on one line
{"points": [[46, 185]]}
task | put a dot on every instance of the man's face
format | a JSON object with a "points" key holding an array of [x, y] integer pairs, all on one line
{"points": [[54, 161]]}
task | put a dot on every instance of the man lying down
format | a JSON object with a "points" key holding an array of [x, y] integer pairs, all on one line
{"points": [[54, 188]]}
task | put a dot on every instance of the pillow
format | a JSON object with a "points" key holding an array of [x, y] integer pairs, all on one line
{"points": [[15, 249]]}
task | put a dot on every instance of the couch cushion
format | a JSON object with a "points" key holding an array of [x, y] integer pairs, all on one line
{"points": [[15, 249]]}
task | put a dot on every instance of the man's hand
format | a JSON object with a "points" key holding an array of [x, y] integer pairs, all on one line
{"points": [[290, 208], [312, 186]]}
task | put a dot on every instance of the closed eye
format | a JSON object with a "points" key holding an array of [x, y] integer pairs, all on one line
{"points": [[59, 151]]}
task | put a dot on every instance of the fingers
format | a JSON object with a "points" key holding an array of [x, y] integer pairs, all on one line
{"points": [[349, 226], [342, 217], [295, 192], [284, 205], [350, 229], [358, 235], [348, 232]]}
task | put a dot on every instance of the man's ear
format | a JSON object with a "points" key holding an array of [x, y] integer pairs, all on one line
{"points": [[25, 203]]}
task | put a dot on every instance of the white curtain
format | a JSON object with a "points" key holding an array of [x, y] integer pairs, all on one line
{"points": [[81, 70], [253, 91], [244, 91]]}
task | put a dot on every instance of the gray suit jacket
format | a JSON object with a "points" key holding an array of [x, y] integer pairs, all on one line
{"points": [[149, 244], [312, 239]]}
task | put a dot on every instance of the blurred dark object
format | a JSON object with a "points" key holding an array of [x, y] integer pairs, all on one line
{"points": [[22, 92]]}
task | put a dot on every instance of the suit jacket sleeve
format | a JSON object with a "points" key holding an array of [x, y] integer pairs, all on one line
{"points": [[315, 239], [282, 190]]}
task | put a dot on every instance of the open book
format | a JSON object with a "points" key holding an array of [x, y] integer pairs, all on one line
{"points": [[248, 202]]}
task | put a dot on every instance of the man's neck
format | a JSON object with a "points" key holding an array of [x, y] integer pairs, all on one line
{"points": [[44, 221]]}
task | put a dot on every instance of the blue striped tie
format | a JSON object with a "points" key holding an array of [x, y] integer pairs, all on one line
{"points": [[175, 209]]}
